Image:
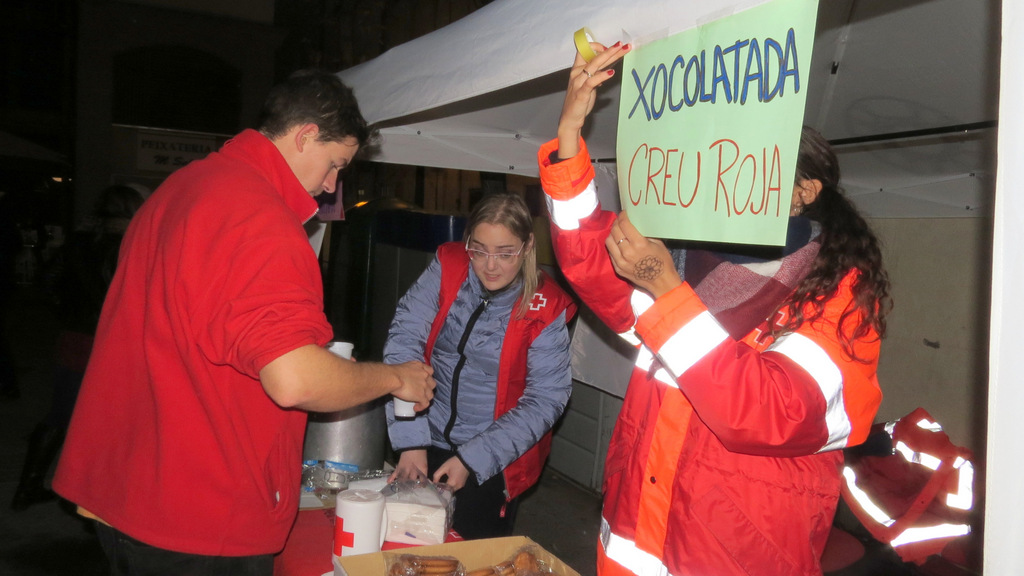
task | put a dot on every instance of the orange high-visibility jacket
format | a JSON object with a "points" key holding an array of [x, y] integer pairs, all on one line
{"points": [[726, 455]]}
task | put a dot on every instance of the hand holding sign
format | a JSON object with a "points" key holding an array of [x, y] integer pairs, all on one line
{"points": [[645, 262], [584, 79]]}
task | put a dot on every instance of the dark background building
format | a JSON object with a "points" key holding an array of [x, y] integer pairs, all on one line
{"points": [[97, 92]]}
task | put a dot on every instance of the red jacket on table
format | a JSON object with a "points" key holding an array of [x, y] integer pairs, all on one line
{"points": [[726, 457], [173, 439], [550, 301]]}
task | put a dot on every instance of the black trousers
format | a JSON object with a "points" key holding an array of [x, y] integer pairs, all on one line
{"points": [[480, 509], [129, 557]]}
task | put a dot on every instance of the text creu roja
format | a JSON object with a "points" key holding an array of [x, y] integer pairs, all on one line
{"points": [[744, 182]]}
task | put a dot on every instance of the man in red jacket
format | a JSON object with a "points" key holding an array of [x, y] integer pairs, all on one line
{"points": [[186, 440]]}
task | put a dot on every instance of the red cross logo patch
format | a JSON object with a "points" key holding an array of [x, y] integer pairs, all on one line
{"points": [[538, 301], [764, 333]]}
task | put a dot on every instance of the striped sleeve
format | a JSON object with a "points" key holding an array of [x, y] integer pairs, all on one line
{"points": [[680, 329], [801, 395], [828, 378], [848, 386], [579, 228]]}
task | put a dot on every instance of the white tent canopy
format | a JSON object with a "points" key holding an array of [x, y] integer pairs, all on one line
{"points": [[484, 92]]}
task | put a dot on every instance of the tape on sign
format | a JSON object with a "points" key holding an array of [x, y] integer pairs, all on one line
{"points": [[583, 39]]}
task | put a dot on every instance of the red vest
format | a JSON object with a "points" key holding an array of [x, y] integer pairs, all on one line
{"points": [[918, 499], [549, 302]]}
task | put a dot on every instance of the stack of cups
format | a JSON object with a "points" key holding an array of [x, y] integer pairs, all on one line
{"points": [[360, 522]]}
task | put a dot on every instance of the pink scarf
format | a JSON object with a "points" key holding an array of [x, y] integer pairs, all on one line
{"points": [[743, 291]]}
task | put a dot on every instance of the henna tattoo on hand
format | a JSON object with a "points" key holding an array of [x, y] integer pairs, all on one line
{"points": [[649, 268]]}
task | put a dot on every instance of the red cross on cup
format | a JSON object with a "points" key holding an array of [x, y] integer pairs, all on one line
{"points": [[342, 538]]}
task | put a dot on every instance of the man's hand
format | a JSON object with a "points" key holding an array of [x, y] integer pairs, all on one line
{"points": [[417, 383], [311, 378], [412, 465], [455, 471]]}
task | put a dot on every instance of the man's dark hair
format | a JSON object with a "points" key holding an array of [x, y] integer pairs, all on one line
{"points": [[318, 97]]}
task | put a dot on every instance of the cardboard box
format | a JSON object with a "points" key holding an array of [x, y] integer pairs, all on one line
{"points": [[473, 554]]}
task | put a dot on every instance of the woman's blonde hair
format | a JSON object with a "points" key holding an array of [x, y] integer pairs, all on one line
{"points": [[510, 210]]}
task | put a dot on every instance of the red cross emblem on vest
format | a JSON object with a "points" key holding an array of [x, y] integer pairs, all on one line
{"points": [[341, 537], [538, 301]]}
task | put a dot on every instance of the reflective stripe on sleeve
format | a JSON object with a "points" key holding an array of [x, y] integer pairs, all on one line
{"points": [[691, 343], [684, 348], [813, 358], [566, 214], [630, 336], [641, 301], [644, 361], [625, 553]]}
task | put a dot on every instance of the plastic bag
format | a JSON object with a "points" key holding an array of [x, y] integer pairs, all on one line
{"points": [[523, 563], [419, 511], [415, 565]]}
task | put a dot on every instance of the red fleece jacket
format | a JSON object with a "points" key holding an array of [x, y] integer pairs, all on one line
{"points": [[174, 441]]}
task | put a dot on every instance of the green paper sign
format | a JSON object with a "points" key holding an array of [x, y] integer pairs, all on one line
{"points": [[709, 126]]}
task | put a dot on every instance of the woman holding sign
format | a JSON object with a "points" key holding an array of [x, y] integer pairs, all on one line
{"points": [[751, 374]]}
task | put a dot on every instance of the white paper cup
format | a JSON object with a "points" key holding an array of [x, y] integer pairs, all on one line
{"points": [[404, 408], [343, 349], [359, 522]]}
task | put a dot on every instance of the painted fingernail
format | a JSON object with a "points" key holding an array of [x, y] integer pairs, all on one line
{"points": [[627, 46], [611, 72], [616, 45]]}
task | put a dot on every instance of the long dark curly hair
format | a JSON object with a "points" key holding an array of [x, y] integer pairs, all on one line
{"points": [[847, 243]]}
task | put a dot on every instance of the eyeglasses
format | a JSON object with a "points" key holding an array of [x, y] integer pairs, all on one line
{"points": [[481, 257]]}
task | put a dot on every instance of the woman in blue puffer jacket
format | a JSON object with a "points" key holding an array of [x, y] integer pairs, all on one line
{"points": [[498, 342]]}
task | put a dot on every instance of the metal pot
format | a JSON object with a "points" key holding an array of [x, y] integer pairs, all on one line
{"points": [[354, 437]]}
